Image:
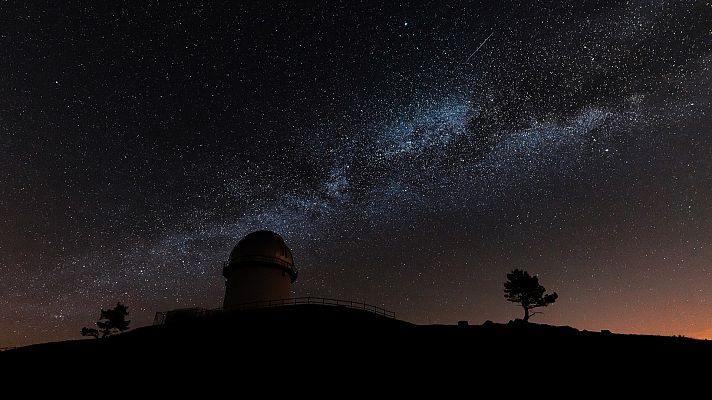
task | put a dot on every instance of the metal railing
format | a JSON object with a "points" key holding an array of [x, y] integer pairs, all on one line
{"points": [[160, 317], [316, 300]]}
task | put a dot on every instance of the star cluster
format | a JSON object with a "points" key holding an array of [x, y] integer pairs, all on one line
{"points": [[411, 153]]}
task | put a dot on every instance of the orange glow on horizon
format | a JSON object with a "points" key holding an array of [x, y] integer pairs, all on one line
{"points": [[705, 334]]}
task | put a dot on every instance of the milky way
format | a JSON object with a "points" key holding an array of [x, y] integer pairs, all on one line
{"points": [[410, 154]]}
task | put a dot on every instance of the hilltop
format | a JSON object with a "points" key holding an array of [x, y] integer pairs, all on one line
{"points": [[338, 338]]}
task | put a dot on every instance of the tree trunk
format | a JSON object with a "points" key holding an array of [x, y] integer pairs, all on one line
{"points": [[526, 314]]}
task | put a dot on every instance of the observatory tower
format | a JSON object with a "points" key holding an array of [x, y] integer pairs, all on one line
{"points": [[260, 268]]}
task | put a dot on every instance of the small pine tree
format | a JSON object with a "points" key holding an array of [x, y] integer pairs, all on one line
{"points": [[525, 289], [111, 321]]}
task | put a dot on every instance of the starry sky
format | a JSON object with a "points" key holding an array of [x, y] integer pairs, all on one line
{"points": [[410, 153]]}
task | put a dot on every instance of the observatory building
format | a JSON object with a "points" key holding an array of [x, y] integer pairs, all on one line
{"points": [[261, 268]]}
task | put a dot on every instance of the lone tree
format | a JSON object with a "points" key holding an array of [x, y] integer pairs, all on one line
{"points": [[525, 289], [111, 321]]}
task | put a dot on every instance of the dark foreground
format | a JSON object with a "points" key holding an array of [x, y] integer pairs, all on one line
{"points": [[289, 342]]}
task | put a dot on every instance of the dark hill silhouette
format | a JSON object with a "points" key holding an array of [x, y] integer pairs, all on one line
{"points": [[339, 340]]}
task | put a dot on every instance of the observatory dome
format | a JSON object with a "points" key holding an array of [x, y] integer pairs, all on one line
{"points": [[260, 269], [263, 247]]}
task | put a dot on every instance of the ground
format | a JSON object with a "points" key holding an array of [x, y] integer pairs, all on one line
{"points": [[298, 341]]}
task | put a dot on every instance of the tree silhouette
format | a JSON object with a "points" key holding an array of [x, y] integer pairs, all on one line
{"points": [[525, 289], [111, 321]]}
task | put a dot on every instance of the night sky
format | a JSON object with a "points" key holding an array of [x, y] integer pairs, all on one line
{"points": [[410, 154]]}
